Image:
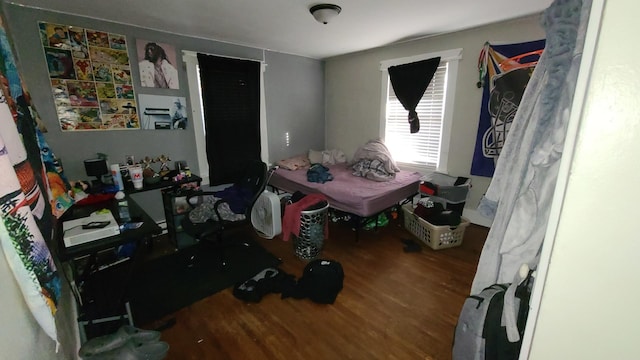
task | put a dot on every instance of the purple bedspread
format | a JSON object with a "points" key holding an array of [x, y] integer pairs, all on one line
{"points": [[350, 193]]}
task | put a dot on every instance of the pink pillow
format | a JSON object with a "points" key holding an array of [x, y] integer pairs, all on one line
{"points": [[294, 163]]}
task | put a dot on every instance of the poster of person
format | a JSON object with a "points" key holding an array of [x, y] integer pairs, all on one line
{"points": [[158, 64], [90, 78], [163, 112]]}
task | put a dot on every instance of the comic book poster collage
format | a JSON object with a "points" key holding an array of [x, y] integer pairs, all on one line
{"points": [[90, 78]]}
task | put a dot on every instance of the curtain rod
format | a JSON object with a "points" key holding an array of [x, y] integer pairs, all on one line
{"points": [[195, 54], [446, 55]]}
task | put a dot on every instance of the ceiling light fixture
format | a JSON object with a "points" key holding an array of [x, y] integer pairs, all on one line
{"points": [[325, 12]]}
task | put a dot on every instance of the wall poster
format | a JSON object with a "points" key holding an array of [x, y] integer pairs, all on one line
{"points": [[159, 112], [157, 63], [90, 78]]}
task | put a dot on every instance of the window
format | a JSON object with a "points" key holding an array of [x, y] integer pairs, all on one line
{"points": [[427, 149], [193, 75]]}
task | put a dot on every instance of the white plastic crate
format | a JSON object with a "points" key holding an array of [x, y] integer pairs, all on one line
{"points": [[436, 237]]}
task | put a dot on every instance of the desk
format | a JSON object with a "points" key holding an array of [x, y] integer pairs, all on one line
{"points": [[171, 190], [148, 228], [162, 184], [101, 295]]}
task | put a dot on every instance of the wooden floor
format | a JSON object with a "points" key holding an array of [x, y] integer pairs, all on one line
{"points": [[394, 305]]}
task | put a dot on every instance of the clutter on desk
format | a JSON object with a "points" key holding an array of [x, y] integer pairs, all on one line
{"points": [[164, 160], [131, 225], [147, 170], [123, 210], [136, 177], [77, 231], [94, 199], [116, 175]]}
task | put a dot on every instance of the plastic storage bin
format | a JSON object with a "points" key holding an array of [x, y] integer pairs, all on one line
{"points": [[308, 244], [436, 237], [454, 190]]}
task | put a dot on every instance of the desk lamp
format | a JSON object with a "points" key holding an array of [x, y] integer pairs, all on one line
{"points": [[97, 168]]}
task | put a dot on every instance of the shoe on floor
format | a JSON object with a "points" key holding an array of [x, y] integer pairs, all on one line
{"points": [[134, 350], [112, 341]]}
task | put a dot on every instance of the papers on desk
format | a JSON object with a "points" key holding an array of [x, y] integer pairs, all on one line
{"points": [[74, 234]]}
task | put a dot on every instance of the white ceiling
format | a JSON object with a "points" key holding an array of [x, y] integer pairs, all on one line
{"points": [[287, 26]]}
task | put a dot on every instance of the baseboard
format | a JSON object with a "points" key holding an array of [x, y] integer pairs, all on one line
{"points": [[476, 218]]}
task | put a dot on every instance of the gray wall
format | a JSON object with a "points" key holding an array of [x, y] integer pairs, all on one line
{"points": [[294, 90], [353, 91], [289, 82]]}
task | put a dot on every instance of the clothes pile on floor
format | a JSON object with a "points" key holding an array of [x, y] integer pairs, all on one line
{"points": [[321, 282]]}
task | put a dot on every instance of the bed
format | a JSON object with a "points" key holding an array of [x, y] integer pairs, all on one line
{"points": [[352, 194]]}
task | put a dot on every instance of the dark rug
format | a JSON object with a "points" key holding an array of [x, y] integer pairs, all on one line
{"points": [[167, 284]]}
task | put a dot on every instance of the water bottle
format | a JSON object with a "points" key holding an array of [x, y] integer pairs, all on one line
{"points": [[117, 176]]}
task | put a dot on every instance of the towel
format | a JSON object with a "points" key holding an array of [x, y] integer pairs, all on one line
{"points": [[291, 218]]}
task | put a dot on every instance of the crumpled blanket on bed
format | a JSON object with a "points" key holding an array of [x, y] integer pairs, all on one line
{"points": [[374, 161]]}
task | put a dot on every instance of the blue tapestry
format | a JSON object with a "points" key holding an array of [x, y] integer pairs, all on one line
{"points": [[504, 73]]}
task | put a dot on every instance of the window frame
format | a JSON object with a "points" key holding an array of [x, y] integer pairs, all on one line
{"points": [[453, 57]]}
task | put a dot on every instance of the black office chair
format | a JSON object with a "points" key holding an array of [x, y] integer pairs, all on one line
{"points": [[242, 196]]}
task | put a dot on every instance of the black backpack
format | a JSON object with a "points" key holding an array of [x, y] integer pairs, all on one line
{"points": [[321, 281], [480, 333]]}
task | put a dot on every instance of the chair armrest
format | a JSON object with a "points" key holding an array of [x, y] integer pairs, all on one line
{"points": [[201, 193], [216, 205], [198, 194]]}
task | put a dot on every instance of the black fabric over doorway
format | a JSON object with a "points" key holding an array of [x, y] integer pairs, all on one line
{"points": [[231, 102], [409, 82]]}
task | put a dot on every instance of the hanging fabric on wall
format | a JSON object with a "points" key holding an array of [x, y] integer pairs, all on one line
{"points": [[25, 214], [504, 72], [521, 192], [231, 104], [409, 81]]}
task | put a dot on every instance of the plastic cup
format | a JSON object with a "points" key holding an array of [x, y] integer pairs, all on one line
{"points": [[136, 177]]}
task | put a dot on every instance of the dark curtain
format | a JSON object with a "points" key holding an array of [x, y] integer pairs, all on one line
{"points": [[409, 82], [231, 102]]}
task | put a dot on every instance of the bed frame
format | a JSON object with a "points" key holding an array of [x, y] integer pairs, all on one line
{"points": [[361, 198]]}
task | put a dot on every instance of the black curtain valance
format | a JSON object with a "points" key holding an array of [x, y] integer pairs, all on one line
{"points": [[409, 82]]}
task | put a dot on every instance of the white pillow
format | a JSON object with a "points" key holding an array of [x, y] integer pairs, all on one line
{"points": [[316, 157]]}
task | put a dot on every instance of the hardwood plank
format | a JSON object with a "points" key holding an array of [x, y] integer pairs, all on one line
{"points": [[394, 305]]}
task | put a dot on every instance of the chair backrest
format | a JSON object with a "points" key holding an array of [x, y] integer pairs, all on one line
{"points": [[255, 181]]}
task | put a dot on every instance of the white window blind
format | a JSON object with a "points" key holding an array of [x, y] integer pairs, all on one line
{"points": [[420, 149]]}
